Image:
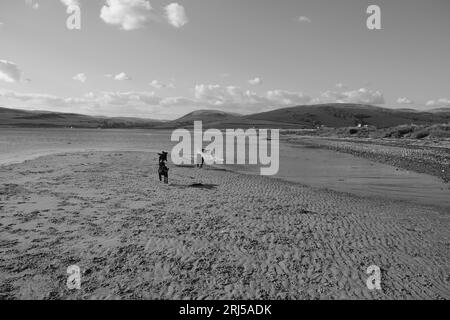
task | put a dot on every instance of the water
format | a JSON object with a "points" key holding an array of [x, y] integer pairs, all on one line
{"points": [[310, 166], [347, 173], [17, 145]]}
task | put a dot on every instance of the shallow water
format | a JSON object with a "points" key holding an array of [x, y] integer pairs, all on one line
{"points": [[17, 144], [347, 173], [310, 166]]}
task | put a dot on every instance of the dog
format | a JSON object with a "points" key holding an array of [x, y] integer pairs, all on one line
{"points": [[163, 171]]}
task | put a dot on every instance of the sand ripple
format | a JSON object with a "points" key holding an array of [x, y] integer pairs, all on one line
{"points": [[235, 237]]}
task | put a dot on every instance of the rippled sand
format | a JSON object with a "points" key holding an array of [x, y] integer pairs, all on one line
{"points": [[232, 236]]}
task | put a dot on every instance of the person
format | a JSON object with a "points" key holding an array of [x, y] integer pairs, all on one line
{"points": [[163, 170], [203, 159]]}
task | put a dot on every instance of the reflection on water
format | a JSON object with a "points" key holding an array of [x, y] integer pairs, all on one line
{"points": [[310, 166]]}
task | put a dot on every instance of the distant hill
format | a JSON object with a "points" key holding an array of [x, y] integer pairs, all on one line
{"points": [[23, 118], [344, 115], [309, 116], [441, 110], [206, 116]]}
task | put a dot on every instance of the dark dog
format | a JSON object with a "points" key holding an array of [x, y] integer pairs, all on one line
{"points": [[163, 171]]}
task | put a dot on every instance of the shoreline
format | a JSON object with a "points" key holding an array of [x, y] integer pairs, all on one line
{"points": [[433, 161], [208, 234]]}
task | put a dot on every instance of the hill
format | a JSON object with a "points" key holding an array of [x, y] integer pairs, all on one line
{"points": [[206, 116], [308, 116], [344, 115], [23, 118]]}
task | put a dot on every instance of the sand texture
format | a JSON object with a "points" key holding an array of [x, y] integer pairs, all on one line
{"points": [[232, 236]]}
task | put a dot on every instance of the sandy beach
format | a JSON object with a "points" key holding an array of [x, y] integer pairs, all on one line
{"points": [[209, 234]]}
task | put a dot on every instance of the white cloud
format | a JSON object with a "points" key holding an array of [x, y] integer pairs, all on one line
{"points": [[70, 3], [206, 96], [122, 77], [23, 96], [9, 71], [123, 98], [283, 97], [160, 85], [303, 19], [404, 100], [128, 14], [176, 15], [80, 77], [363, 95], [439, 103], [109, 103], [341, 86], [32, 4], [178, 102], [244, 100], [255, 81]]}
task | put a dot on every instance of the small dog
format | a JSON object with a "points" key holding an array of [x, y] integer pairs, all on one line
{"points": [[163, 171]]}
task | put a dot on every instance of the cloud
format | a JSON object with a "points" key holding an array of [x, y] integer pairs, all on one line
{"points": [[283, 97], [24, 96], [80, 77], [108, 103], [178, 102], [303, 19], [255, 81], [363, 95], [238, 99], [128, 14], [341, 86], [176, 15], [217, 95], [439, 103], [9, 71], [160, 85], [32, 4], [206, 96], [123, 98], [70, 3], [121, 77], [404, 100]]}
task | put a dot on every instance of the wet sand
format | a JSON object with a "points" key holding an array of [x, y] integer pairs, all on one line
{"points": [[209, 234]]}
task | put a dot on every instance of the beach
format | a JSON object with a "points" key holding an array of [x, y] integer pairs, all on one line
{"points": [[208, 234]]}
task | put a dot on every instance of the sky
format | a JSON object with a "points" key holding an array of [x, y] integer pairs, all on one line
{"points": [[162, 59]]}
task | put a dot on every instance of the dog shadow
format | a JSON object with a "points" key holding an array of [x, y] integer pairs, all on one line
{"points": [[204, 186]]}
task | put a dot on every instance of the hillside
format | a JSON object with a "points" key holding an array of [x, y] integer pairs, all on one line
{"points": [[206, 116], [309, 116], [22, 118], [344, 115]]}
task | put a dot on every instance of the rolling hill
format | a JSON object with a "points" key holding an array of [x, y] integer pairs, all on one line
{"points": [[344, 115], [308, 116], [206, 116], [22, 118]]}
